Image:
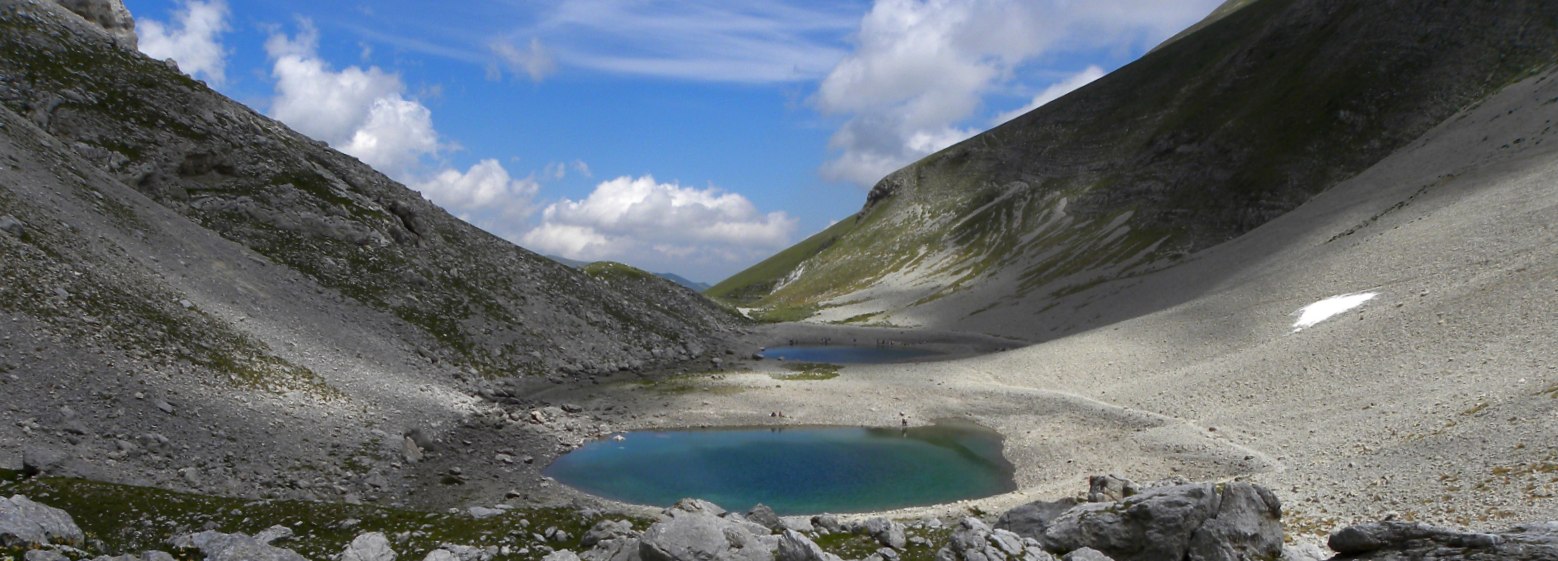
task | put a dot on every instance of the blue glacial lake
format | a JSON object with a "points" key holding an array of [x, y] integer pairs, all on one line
{"points": [[847, 354], [794, 470]]}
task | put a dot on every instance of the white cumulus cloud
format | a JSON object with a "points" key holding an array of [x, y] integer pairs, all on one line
{"points": [[921, 68], [363, 112], [665, 224], [486, 188], [193, 39]]}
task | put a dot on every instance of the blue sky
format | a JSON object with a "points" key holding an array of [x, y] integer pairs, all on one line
{"points": [[694, 137]]}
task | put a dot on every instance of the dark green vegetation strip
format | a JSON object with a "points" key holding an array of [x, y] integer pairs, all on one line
{"points": [[808, 371], [126, 519], [120, 519]]}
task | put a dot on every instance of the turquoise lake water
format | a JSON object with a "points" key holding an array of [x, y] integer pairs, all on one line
{"points": [[847, 354], [797, 470]]}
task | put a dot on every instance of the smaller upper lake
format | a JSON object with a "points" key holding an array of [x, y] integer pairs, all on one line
{"points": [[795, 470], [848, 354]]}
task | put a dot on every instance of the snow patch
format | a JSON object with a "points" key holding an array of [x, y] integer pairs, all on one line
{"points": [[1324, 309]]}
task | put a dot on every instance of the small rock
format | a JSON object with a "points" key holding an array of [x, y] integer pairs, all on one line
{"points": [[561, 555], [1086, 554], [191, 476], [274, 534], [44, 555], [764, 515], [38, 460], [827, 523], [10, 225], [480, 512], [886, 532], [370, 546], [410, 451]]}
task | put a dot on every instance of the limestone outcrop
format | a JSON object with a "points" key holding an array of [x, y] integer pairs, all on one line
{"points": [[111, 15]]}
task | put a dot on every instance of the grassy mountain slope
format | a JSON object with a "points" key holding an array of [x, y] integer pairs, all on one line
{"points": [[1190, 146]]}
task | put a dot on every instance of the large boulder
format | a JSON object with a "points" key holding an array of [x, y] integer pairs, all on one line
{"points": [[111, 15], [693, 530], [973, 540], [146, 556], [1397, 540], [607, 530], [457, 552], [885, 532], [764, 515], [794, 546], [218, 546], [370, 546], [1086, 554], [25, 523], [561, 555], [1031, 519], [610, 540], [1195, 522], [1247, 525]]}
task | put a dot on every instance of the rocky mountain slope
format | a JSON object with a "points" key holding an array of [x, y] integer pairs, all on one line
{"points": [[195, 296], [1209, 136]]}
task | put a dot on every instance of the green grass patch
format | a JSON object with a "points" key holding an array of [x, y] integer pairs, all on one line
{"points": [[685, 384], [756, 282], [612, 270], [808, 371], [780, 313], [127, 519], [855, 546]]}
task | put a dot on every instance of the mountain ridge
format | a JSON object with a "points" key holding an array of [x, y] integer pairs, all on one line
{"points": [[1189, 146]]}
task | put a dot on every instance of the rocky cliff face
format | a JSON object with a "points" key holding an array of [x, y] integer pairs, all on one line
{"points": [[110, 15], [1204, 139]]}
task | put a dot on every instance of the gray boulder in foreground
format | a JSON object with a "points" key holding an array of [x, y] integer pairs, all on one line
{"points": [[885, 532], [793, 546], [1403, 541], [147, 556], [972, 540], [370, 546], [1033, 518], [1195, 522], [610, 540], [25, 523], [218, 546], [694, 531], [1086, 554]]}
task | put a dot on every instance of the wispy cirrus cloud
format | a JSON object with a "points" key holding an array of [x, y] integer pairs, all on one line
{"points": [[735, 41], [708, 40]]}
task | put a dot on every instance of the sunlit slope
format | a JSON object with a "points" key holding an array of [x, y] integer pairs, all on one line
{"points": [[1196, 143]]}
